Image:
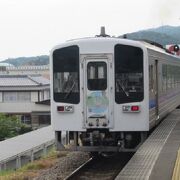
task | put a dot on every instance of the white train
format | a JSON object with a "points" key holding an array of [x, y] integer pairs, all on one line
{"points": [[108, 93]]}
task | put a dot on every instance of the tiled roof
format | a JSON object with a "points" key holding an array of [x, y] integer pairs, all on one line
{"points": [[40, 80], [22, 80]]}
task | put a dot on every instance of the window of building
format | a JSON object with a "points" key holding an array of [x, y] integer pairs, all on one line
{"points": [[26, 119], [2, 68], [16, 96]]}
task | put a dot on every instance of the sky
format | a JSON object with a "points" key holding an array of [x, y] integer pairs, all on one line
{"points": [[34, 27]]}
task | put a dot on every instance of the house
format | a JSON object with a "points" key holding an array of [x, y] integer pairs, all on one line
{"points": [[28, 70], [6, 68], [26, 96]]}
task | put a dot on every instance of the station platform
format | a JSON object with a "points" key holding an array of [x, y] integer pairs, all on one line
{"points": [[19, 150], [158, 158]]}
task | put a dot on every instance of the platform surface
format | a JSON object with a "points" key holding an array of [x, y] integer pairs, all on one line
{"points": [[14, 146], [156, 158]]}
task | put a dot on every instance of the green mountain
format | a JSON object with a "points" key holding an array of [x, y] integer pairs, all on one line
{"points": [[32, 61], [163, 35]]}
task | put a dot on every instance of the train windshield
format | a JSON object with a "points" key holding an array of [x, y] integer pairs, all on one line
{"points": [[66, 75], [128, 74]]}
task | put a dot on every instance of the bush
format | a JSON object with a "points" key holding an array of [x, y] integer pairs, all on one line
{"points": [[25, 129], [11, 126]]}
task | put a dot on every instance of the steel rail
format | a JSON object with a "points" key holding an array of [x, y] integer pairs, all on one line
{"points": [[101, 167]]}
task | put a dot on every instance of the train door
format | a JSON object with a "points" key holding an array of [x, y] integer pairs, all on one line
{"points": [[98, 90], [156, 90], [153, 90]]}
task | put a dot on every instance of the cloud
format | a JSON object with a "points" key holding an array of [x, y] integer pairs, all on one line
{"points": [[167, 11]]}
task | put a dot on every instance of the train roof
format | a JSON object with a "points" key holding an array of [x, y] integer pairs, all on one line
{"points": [[140, 43], [157, 48]]}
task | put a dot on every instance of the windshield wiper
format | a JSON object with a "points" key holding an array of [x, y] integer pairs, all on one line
{"points": [[123, 88], [70, 90]]}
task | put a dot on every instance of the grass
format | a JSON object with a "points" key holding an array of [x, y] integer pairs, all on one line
{"points": [[4, 173], [31, 170]]}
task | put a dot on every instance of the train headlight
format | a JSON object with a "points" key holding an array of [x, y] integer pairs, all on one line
{"points": [[176, 48], [69, 108], [65, 109]]}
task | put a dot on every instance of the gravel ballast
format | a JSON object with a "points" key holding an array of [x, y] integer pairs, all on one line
{"points": [[64, 166]]}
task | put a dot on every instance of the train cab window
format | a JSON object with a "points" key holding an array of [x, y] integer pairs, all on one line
{"points": [[66, 75], [128, 74], [97, 76]]}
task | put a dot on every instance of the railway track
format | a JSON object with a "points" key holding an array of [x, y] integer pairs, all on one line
{"points": [[105, 168]]}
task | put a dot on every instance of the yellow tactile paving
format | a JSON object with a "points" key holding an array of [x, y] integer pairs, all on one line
{"points": [[176, 172]]}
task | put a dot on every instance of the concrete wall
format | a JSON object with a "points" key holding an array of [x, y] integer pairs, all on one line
{"points": [[26, 107]]}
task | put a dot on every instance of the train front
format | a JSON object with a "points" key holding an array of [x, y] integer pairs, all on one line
{"points": [[99, 94]]}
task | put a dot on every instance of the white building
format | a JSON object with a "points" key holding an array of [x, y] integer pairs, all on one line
{"points": [[28, 70], [26, 96], [6, 68]]}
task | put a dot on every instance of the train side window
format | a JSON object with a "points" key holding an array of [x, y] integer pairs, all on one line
{"points": [[164, 77], [97, 76], [128, 74], [169, 77], [66, 75], [151, 82]]}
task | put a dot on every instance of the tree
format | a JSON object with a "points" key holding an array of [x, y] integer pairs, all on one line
{"points": [[10, 126]]}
